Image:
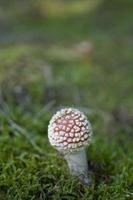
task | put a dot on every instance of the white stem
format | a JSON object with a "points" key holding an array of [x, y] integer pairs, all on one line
{"points": [[78, 165]]}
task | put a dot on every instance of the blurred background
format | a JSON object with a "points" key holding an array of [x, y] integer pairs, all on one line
{"points": [[65, 53]]}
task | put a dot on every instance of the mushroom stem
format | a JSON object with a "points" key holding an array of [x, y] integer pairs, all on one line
{"points": [[78, 166]]}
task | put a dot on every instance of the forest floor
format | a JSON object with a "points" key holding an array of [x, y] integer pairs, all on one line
{"points": [[77, 56]]}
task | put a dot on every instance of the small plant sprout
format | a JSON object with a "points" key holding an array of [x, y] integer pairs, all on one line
{"points": [[70, 132]]}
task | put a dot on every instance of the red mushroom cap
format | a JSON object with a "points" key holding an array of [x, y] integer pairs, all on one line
{"points": [[69, 130]]}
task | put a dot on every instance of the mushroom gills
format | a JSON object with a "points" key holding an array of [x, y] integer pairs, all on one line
{"points": [[78, 166]]}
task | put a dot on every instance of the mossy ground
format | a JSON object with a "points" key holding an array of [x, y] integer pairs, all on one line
{"points": [[42, 67]]}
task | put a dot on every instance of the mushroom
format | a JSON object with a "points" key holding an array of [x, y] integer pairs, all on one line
{"points": [[70, 132]]}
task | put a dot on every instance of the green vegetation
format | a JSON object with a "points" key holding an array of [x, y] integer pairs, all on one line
{"points": [[79, 56]]}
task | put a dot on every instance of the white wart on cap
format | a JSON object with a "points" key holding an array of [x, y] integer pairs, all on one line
{"points": [[69, 130]]}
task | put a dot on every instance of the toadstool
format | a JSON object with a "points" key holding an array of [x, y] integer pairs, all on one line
{"points": [[70, 132]]}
